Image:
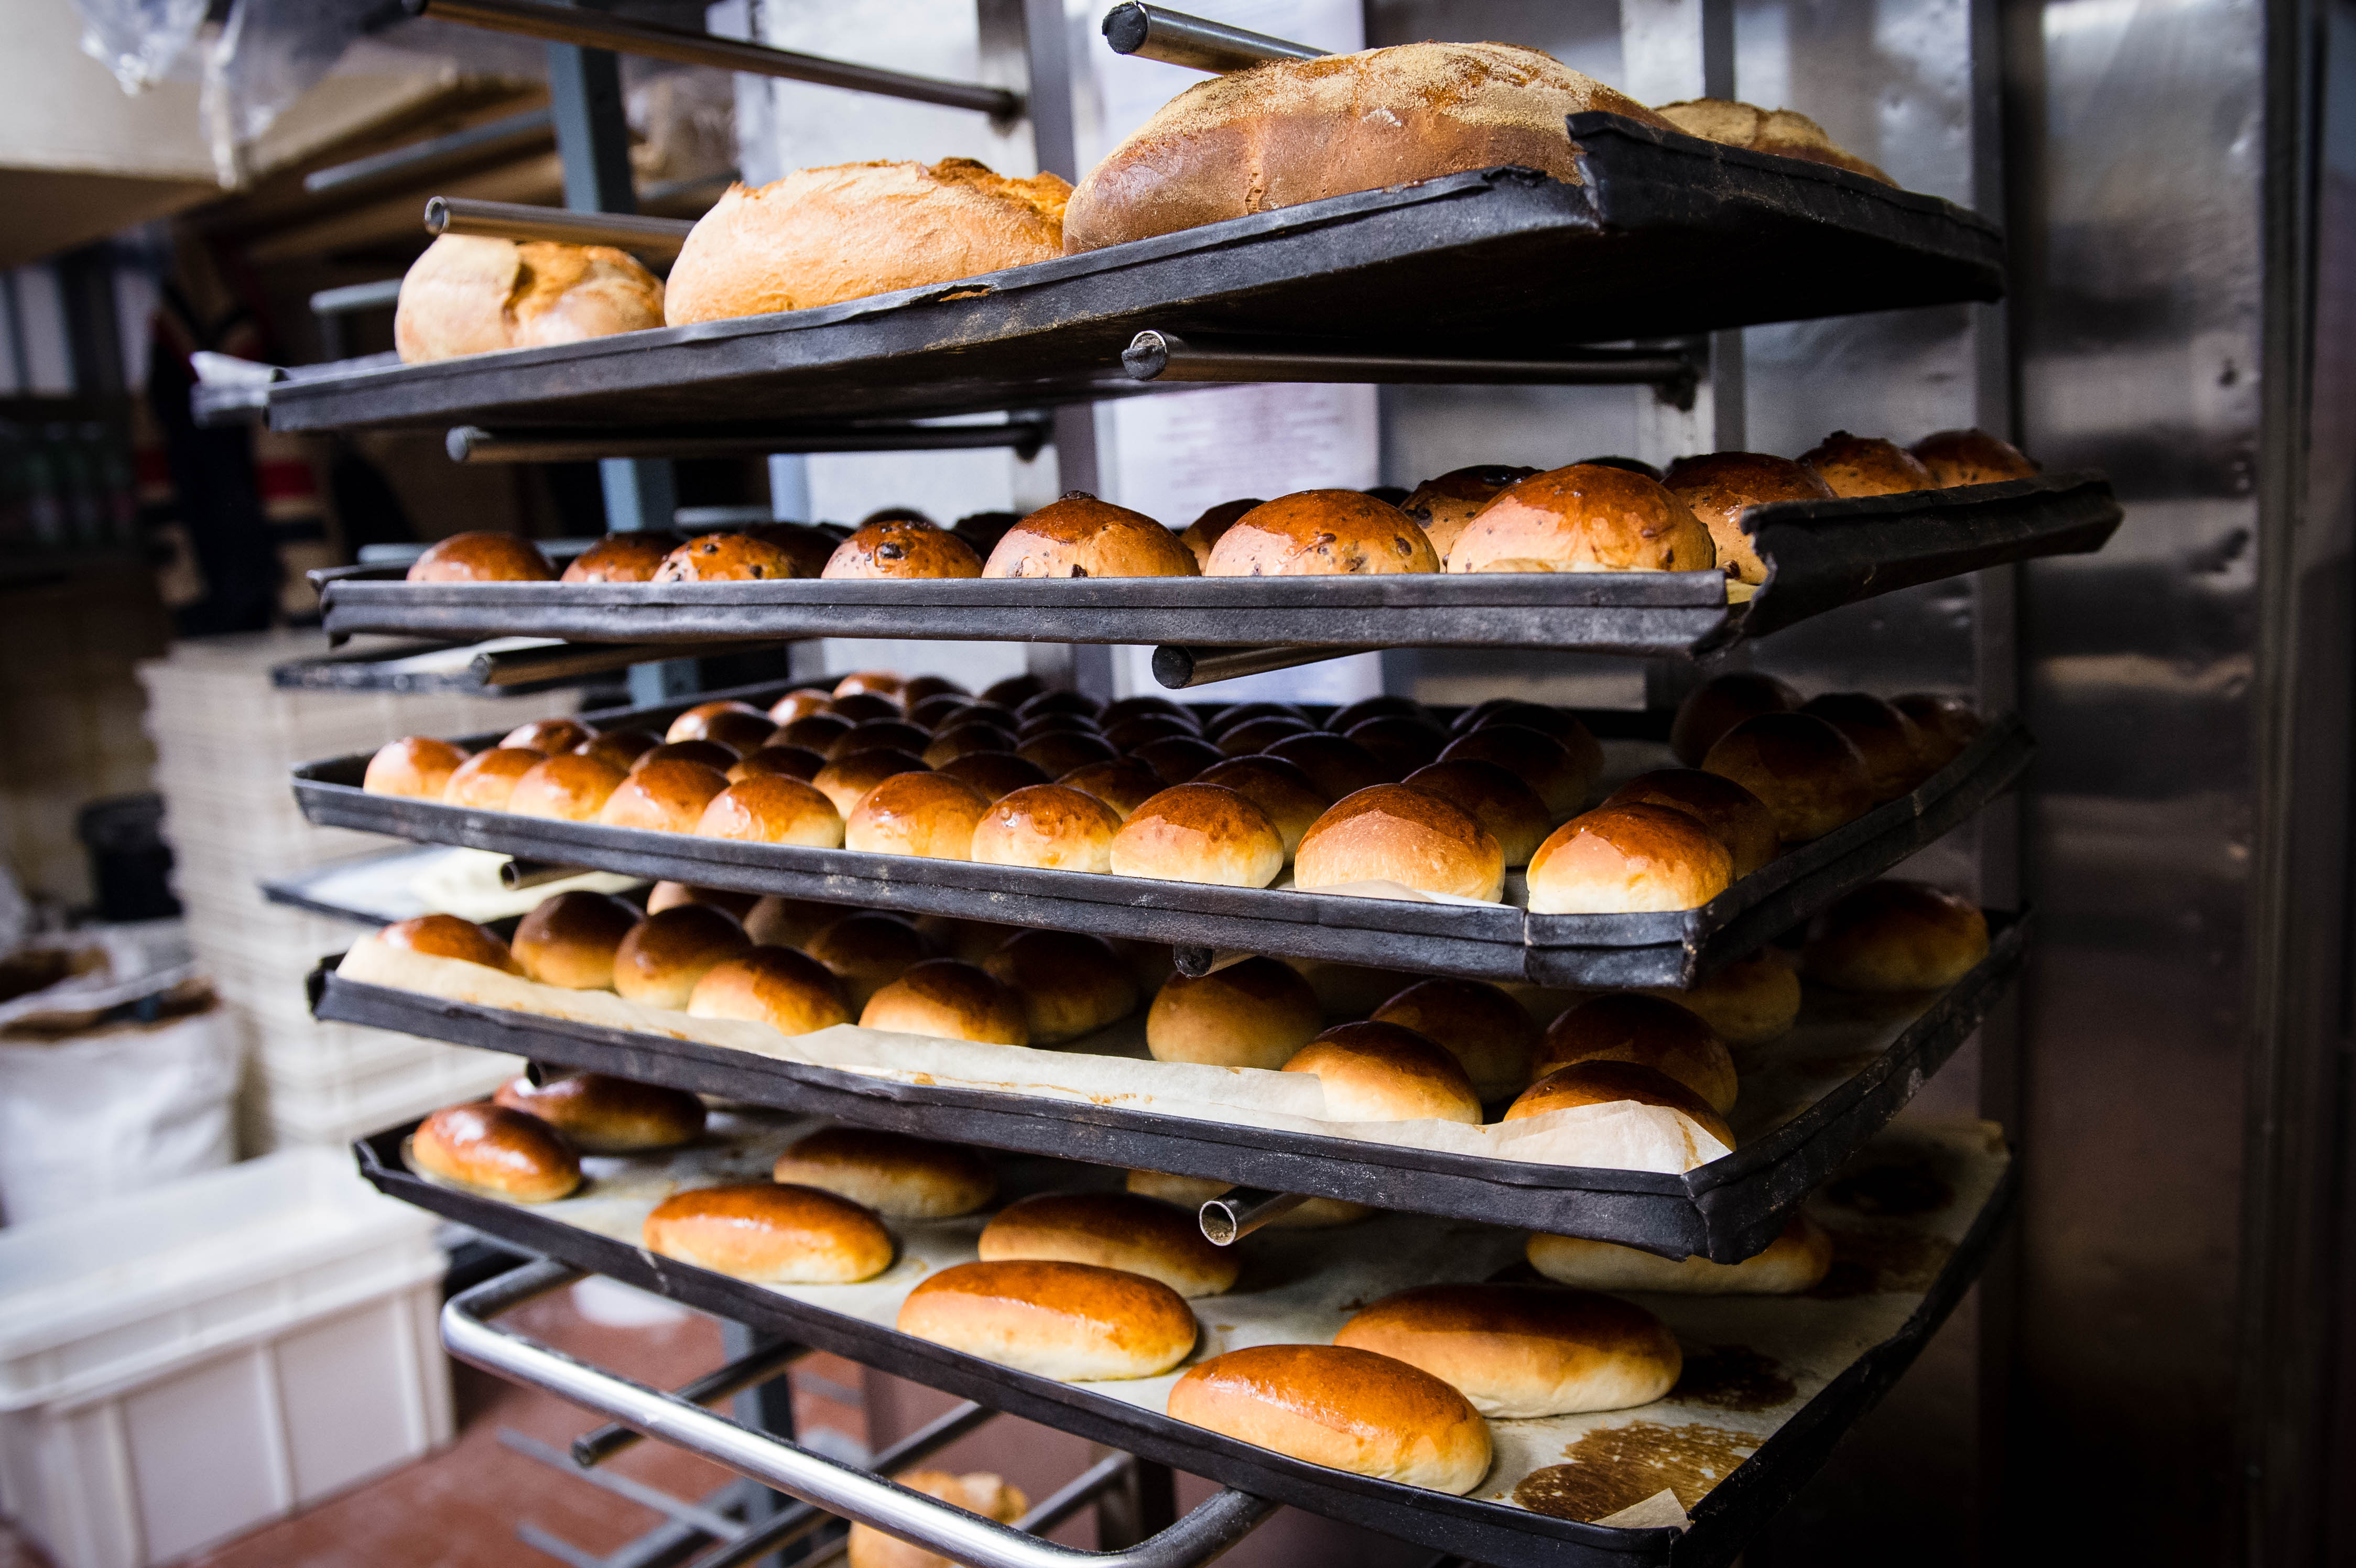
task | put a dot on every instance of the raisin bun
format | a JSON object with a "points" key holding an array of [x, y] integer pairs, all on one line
{"points": [[1443, 507], [1524, 1351], [570, 940], [1256, 1013], [725, 557], [896, 548], [1971, 457], [776, 1236], [1050, 826], [1718, 486], [1116, 1231], [1795, 1260], [1735, 817], [415, 766], [899, 1176], [1855, 465], [481, 557], [1342, 1408], [1321, 533], [1895, 936], [1491, 1035], [1394, 834], [1626, 1026], [1585, 517], [1494, 796], [1718, 704], [1382, 1072], [1069, 984], [1629, 859], [666, 953], [789, 991], [947, 1000], [1199, 833], [1080, 536], [496, 1151], [601, 1114], [1205, 532], [447, 936], [1069, 1320], [1806, 773]]}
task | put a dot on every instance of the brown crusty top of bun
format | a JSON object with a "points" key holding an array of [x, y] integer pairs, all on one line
{"points": [[1507, 809], [1718, 486], [1780, 131], [776, 1234], [771, 808], [1337, 764], [1739, 819], [948, 1000], [621, 558], [1206, 530], [481, 557], [1944, 723], [1257, 734], [1341, 1407], [1586, 518], [1112, 1230], [994, 775], [1490, 1034], [1896, 756], [1198, 832], [663, 797], [1402, 743], [549, 737], [806, 547], [1321, 533], [791, 992], [1386, 1073], [700, 722], [1971, 457], [416, 765], [569, 939], [601, 1114], [500, 1151], [1748, 1002], [897, 549], [1608, 1083], [1629, 859], [1179, 759], [1525, 1351], [485, 781], [1256, 1013], [1718, 704], [1070, 984], [1895, 936], [901, 1177], [1444, 505], [1122, 786], [447, 936], [846, 779], [1865, 466], [472, 294], [1628, 1026], [572, 788], [1052, 826], [867, 950], [725, 557], [1393, 833], [1793, 1262], [1287, 796], [1802, 769], [666, 953], [1073, 1321], [1561, 771], [620, 747], [928, 814], [1080, 536]]}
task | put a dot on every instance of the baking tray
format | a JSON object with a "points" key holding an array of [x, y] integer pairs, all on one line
{"points": [[1787, 1375], [1726, 1210]]}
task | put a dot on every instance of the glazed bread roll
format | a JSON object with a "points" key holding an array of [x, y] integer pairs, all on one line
{"points": [[663, 797], [571, 788], [1199, 833], [994, 775], [1070, 984], [598, 1114], [1896, 755], [1749, 1002], [930, 816], [1443, 507], [1856, 466], [978, 1492], [1337, 766], [1562, 773], [800, 703], [1227, 717], [1191, 1192], [1780, 131], [1257, 1013], [894, 548], [883, 734], [670, 895], [493, 1149], [1585, 517], [1628, 859], [743, 733], [415, 765], [447, 936], [473, 293], [822, 235], [1341, 1407], [1718, 487], [1807, 774], [1257, 734], [770, 808], [1391, 833], [898, 1176], [1179, 759], [1066, 1321], [549, 737], [1401, 742], [1080, 536], [1490, 1034], [890, 684], [481, 557], [485, 780], [1624, 1026], [789, 991], [620, 747], [867, 951], [820, 732], [703, 721], [1793, 1262], [775, 921], [1735, 818], [1205, 533], [1381, 1072], [773, 1234], [1523, 1350], [1971, 457], [845, 781], [1608, 1083], [1053, 826], [1059, 752], [666, 953], [702, 753], [1321, 533], [947, 1000], [1945, 725], [1287, 796], [1718, 704], [726, 557], [1124, 786], [1113, 1230], [570, 940], [1296, 131], [959, 739], [1895, 936]]}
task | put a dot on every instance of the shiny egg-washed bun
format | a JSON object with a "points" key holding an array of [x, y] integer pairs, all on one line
{"points": [[1116, 1231], [1720, 485], [1507, 809], [896, 548], [1524, 1351], [1049, 826], [1609, 1083], [846, 779], [1490, 1034], [899, 1176], [415, 765], [1382, 1072], [621, 558], [1080, 536], [1288, 797], [1587, 517], [486, 781], [481, 557], [1199, 833], [789, 991], [549, 737], [1859, 465], [775, 1234], [769, 808], [666, 953], [1256, 1013], [1895, 936], [1342, 1408], [493, 1149], [1067, 1320], [1628, 859], [1070, 984], [1441, 506], [663, 797], [947, 1000], [1808, 774], [570, 940], [447, 936], [1735, 818], [1627, 1026], [727, 558], [1321, 533], [1203, 535], [927, 815], [1392, 833], [571, 788], [1795, 1260], [601, 1114]]}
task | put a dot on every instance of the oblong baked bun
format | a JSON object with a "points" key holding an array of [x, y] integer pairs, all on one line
{"points": [[948, 1000], [1865, 466], [1895, 936], [896, 548], [1341, 1407], [1392, 833], [481, 557], [1122, 786], [1780, 131], [1627, 1026], [1507, 809], [417, 765], [1070, 984], [1053, 826], [928, 814], [1945, 724], [471, 293], [867, 951], [791, 992], [770, 808], [1287, 796], [975, 1492], [846, 779], [1749, 1002], [1256, 1013], [1561, 771], [496, 1151], [1338, 766], [1191, 1192], [1113, 1229], [571, 788], [1971, 457], [1807, 774], [775, 1234], [1523, 1350], [570, 939], [1441, 506], [899, 1176], [663, 797], [1795, 1260], [1628, 859], [1896, 756], [1198, 832], [549, 737], [1296, 131], [485, 780], [1080, 536], [1206, 531], [1719, 485], [1382, 1072], [1321, 533], [1608, 1083], [601, 1114], [1585, 517], [666, 953], [620, 747], [447, 936], [994, 775], [1490, 1034], [726, 557], [1718, 704], [1736, 818], [1067, 1320]]}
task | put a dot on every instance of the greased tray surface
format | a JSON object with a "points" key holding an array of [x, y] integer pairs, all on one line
{"points": [[1770, 1381]]}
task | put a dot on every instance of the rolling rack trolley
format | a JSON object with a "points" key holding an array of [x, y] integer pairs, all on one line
{"points": [[1283, 296]]}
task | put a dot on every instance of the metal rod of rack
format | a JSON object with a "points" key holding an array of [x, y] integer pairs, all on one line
{"points": [[1077, 1494], [653, 1498], [520, 220], [519, 874], [600, 1444], [568, 661], [472, 444], [353, 298], [1238, 1211], [1157, 33], [1178, 668], [407, 161], [1157, 356]]}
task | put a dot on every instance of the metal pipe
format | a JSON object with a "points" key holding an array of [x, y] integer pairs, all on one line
{"points": [[532, 873], [1155, 355], [353, 298], [1155, 32], [472, 444], [1195, 962], [746, 1372], [652, 40], [653, 1499], [1178, 668], [1077, 1494], [520, 220], [376, 167], [1238, 1211], [567, 661]]}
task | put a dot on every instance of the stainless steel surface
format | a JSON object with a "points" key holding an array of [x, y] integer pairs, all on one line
{"points": [[595, 1446], [1177, 667], [417, 156], [520, 220], [1233, 1215], [1157, 33], [1155, 355], [472, 444]]}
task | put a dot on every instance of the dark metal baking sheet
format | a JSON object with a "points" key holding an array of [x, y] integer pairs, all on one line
{"points": [[1726, 1210], [1478, 1530]]}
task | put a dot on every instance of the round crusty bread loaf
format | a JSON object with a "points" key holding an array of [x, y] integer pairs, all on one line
{"points": [[485, 780], [928, 814], [1857, 466], [1561, 769], [601, 1114], [901, 1177], [1080, 536], [1067, 1320], [711, 720], [1626, 1026], [666, 953], [1719, 485], [493, 1149], [1341, 1407], [1736, 818], [1257, 1013], [846, 779], [1781, 131], [473, 293], [1113, 1229], [1295, 131], [1793, 1262], [1191, 1192], [1052, 826], [573, 787], [1490, 1034], [1441, 506], [663, 797], [947, 1000], [867, 951], [1806, 773], [772, 808], [1507, 809], [417, 765], [1521, 1350], [791, 992], [1718, 704], [447, 936], [1287, 796], [1608, 1083], [570, 940], [481, 557], [1383, 1072], [1198, 832], [1205, 532], [896, 547], [1749, 1002], [1629, 859], [1971, 457], [1321, 533], [1070, 984], [1896, 755], [1392, 833], [620, 558], [775, 1234], [978, 1492], [1588, 517], [1895, 936], [727, 558]]}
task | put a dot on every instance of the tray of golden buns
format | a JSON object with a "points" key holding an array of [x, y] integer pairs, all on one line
{"points": [[1346, 1363]]}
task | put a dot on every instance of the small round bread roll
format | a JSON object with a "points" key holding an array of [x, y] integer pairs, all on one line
{"points": [[1344, 1408], [1562, 774], [896, 547], [845, 781], [1257, 1013], [493, 1149], [1080, 536], [769, 808], [978, 1492], [481, 557], [670, 895], [666, 953], [1228, 717], [1945, 724], [415, 765], [1321, 533], [883, 734], [1895, 936], [1382, 705], [1609, 1084], [549, 737], [898, 1176], [1627, 1026], [742, 733], [726, 557], [1400, 741], [485, 780], [1585, 517], [971, 939], [663, 797], [1381, 1072], [1392, 833], [1113, 1229], [1628, 859], [703, 754], [1052, 826], [622, 748], [1718, 704], [1290, 800], [1203, 535], [820, 732], [1337, 766], [1070, 984], [1749, 1002], [1490, 1034], [1894, 750], [570, 940], [965, 740], [1060, 752], [1544, 718], [800, 703], [775, 921], [1971, 457], [1128, 735], [1199, 833], [603, 1114], [867, 951], [621, 558], [1524, 1351], [1856, 466], [1441, 506], [1014, 691], [1180, 759], [1191, 1192], [773, 1234], [947, 1000], [994, 775], [1066, 1321], [700, 722], [883, 683], [1795, 1260], [447, 936], [791, 992], [1737, 818], [570, 788], [1809, 774], [1507, 809], [930, 816], [1124, 786], [1259, 734], [1718, 486]]}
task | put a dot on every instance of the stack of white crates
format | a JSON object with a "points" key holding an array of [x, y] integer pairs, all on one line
{"points": [[224, 741]]}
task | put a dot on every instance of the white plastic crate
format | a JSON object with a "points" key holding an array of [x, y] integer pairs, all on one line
{"points": [[178, 1367]]}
